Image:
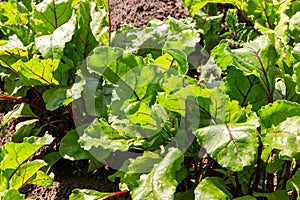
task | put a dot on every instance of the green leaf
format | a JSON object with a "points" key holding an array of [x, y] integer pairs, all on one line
{"points": [[83, 37], [101, 58], [278, 194], [12, 194], [49, 15], [296, 77], [232, 145], [51, 158], [70, 147], [23, 110], [273, 114], [247, 90], [196, 5], [41, 178], [54, 97], [4, 181], [86, 194], [221, 56], [24, 173], [10, 58], [294, 183], [258, 58], [52, 46], [294, 26], [285, 137], [245, 198], [100, 139], [39, 72], [24, 129], [17, 153], [161, 182], [212, 188]]}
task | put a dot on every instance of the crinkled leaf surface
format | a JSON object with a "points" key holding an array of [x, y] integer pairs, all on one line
{"points": [[273, 114]]}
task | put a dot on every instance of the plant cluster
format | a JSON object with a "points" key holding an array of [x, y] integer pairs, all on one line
{"points": [[230, 133]]}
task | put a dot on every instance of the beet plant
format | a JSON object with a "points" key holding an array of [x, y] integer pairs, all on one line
{"points": [[205, 107]]}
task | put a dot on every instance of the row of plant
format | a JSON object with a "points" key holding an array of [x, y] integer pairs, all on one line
{"points": [[132, 104]]}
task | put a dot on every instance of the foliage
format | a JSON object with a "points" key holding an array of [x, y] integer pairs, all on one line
{"points": [[231, 133]]}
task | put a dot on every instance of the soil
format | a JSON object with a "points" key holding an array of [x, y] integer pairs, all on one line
{"points": [[70, 175]]}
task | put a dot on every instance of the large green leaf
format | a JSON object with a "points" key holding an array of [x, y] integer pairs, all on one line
{"points": [[212, 188], [278, 194], [247, 90], [70, 148], [272, 114], [24, 173], [258, 58], [12, 194], [52, 46], [54, 97], [92, 29], [39, 72], [100, 139], [161, 182], [232, 145], [49, 15], [285, 137], [17, 153]]}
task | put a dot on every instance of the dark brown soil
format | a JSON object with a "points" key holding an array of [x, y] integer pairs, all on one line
{"points": [[70, 175], [139, 12]]}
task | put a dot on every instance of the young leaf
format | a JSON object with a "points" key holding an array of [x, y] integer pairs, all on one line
{"points": [[23, 110], [232, 145], [161, 182], [196, 5]]}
